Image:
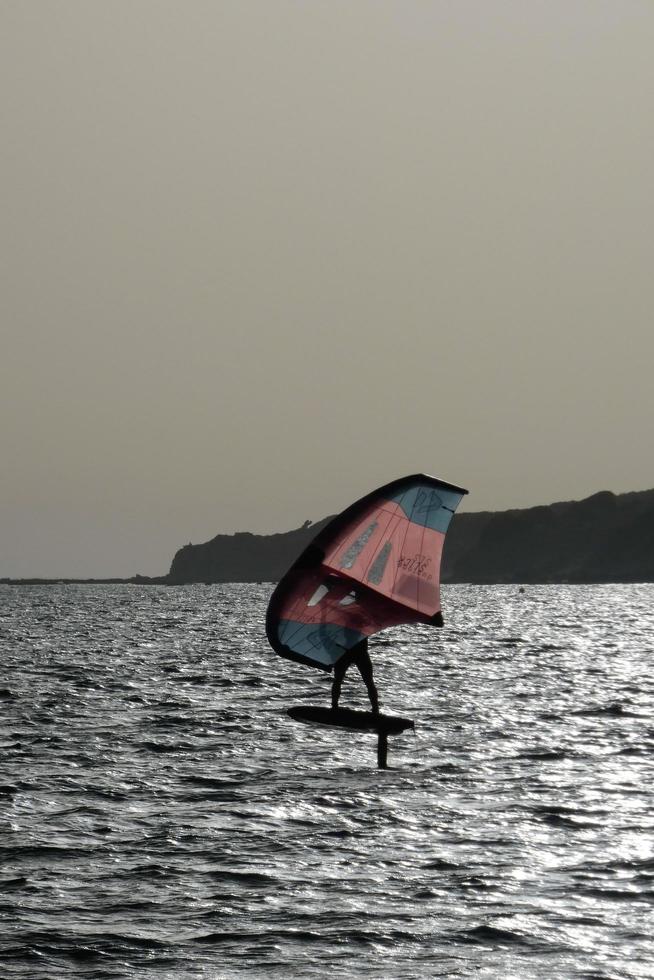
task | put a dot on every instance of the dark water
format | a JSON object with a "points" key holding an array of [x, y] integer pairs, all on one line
{"points": [[162, 817]]}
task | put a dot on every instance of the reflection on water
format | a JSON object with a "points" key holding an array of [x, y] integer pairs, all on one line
{"points": [[161, 816]]}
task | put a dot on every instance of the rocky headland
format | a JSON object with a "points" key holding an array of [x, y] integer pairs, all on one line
{"points": [[605, 538]]}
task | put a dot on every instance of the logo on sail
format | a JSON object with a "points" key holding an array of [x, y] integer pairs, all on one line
{"points": [[417, 564]]}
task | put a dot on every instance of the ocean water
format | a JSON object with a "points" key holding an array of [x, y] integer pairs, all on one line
{"points": [[162, 817]]}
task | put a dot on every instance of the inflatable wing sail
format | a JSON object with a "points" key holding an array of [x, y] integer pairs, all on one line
{"points": [[375, 565]]}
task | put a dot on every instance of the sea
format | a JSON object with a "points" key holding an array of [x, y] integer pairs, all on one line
{"points": [[162, 817]]}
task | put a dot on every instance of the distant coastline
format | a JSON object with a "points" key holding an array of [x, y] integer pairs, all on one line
{"points": [[134, 580], [605, 538]]}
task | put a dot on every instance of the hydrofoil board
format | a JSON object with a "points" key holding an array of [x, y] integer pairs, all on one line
{"points": [[348, 718]]}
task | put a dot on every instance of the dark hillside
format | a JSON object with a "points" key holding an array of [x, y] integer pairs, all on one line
{"points": [[605, 538]]}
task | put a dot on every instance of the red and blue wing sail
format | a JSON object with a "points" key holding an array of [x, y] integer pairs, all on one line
{"points": [[375, 565]]}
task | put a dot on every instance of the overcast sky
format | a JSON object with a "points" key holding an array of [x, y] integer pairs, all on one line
{"points": [[260, 256]]}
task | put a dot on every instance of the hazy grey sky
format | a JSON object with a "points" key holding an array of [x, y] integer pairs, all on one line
{"points": [[259, 256]]}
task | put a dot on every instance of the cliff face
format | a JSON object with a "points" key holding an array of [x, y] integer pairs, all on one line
{"points": [[241, 557], [605, 538]]}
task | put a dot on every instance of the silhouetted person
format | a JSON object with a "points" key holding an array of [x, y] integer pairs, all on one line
{"points": [[359, 656]]}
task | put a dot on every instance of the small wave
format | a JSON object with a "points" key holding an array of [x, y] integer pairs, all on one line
{"points": [[48, 851], [170, 721], [561, 816], [87, 946], [155, 871], [618, 894], [640, 868], [344, 937], [440, 864], [473, 882], [646, 864], [493, 936], [226, 938], [11, 884], [164, 747], [219, 938], [213, 782], [543, 754], [614, 709], [241, 877]]}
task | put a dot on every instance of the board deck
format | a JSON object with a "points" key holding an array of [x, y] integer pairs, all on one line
{"points": [[348, 718]]}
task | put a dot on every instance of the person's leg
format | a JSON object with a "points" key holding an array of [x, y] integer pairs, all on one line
{"points": [[365, 669], [339, 674]]}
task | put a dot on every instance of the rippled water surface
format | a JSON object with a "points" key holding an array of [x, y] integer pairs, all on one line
{"points": [[162, 817]]}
